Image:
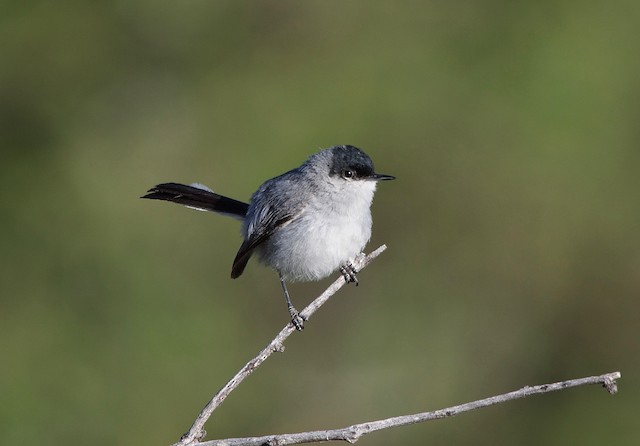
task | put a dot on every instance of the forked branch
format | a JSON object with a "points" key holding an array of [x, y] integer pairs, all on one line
{"points": [[353, 433]]}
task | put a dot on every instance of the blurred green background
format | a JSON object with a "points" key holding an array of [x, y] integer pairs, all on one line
{"points": [[514, 258]]}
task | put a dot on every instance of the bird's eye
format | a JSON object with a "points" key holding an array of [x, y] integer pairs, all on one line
{"points": [[347, 174]]}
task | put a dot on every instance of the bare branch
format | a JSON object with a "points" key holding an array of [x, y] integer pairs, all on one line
{"points": [[354, 432], [197, 432]]}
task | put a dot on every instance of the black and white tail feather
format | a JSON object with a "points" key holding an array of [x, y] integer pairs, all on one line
{"points": [[199, 197]]}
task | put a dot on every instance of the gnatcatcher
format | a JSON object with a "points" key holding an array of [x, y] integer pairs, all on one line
{"points": [[305, 223]]}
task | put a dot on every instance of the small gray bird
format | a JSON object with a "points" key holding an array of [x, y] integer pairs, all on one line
{"points": [[305, 224]]}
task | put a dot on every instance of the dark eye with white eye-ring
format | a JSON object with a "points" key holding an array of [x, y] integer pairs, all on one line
{"points": [[348, 174]]}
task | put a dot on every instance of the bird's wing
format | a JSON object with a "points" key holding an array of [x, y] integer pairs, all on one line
{"points": [[272, 208], [251, 243]]}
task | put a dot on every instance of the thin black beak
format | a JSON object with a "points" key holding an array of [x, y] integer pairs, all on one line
{"points": [[382, 177]]}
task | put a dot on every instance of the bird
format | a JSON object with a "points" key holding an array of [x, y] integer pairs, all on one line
{"points": [[306, 223]]}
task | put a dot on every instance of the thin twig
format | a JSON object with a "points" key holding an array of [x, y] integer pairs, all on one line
{"points": [[197, 432], [354, 432]]}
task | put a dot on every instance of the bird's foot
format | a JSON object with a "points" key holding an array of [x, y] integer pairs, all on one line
{"points": [[296, 319], [349, 273]]}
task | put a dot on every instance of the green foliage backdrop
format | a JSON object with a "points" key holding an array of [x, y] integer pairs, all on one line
{"points": [[514, 258]]}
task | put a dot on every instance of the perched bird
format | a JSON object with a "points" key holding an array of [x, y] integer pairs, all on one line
{"points": [[305, 224]]}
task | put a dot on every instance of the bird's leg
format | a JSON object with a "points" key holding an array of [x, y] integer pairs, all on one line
{"points": [[296, 319], [349, 273]]}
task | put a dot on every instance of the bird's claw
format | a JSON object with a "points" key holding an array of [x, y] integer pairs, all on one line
{"points": [[349, 273], [296, 319]]}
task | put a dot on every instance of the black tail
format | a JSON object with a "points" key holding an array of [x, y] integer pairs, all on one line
{"points": [[198, 198]]}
